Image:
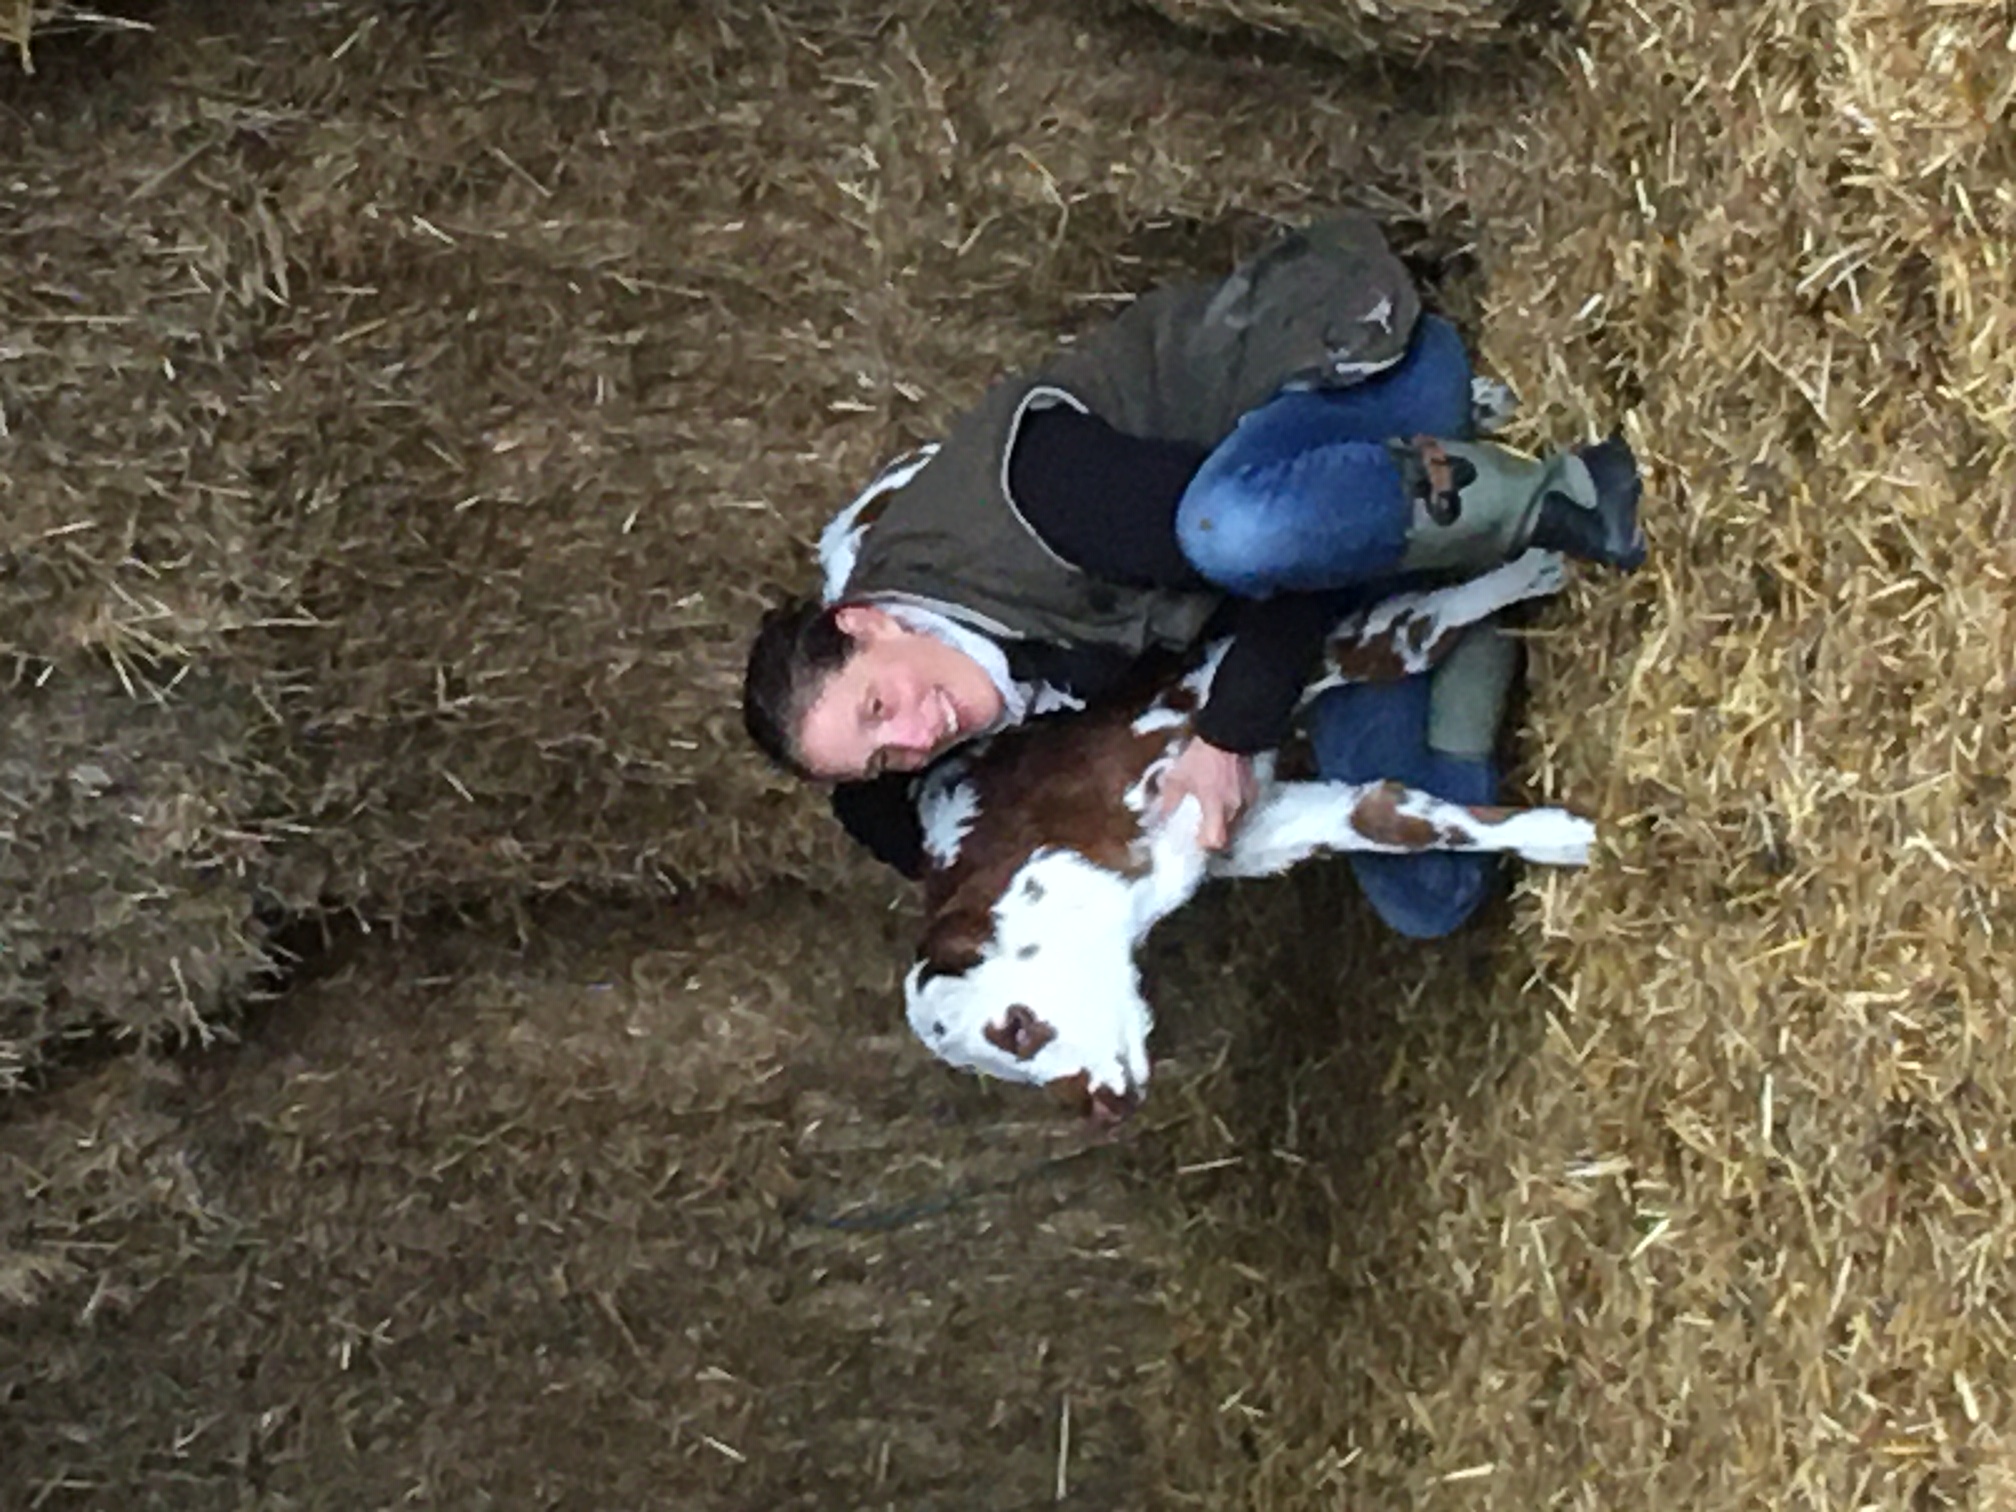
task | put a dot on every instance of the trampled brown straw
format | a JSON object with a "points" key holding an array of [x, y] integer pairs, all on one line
{"points": [[408, 409]]}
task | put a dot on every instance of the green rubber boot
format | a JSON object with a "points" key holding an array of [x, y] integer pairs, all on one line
{"points": [[1468, 690], [1477, 504]]}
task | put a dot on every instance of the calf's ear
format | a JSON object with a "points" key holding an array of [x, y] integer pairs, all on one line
{"points": [[953, 944]]}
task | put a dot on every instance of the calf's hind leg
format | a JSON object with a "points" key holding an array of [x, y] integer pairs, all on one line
{"points": [[1298, 820]]}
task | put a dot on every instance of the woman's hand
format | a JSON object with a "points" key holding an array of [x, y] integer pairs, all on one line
{"points": [[1222, 783]]}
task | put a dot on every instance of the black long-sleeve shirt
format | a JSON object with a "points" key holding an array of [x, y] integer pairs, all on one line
{"points": [[1106, 502]]}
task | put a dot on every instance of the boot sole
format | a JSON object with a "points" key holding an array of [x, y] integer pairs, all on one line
{"points": [[1613, 472]]}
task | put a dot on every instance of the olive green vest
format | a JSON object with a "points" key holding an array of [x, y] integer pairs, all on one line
{"points": [[1326, 306]]}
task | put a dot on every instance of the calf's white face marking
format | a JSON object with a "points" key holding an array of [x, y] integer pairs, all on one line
{"points": [[1055, 994]]}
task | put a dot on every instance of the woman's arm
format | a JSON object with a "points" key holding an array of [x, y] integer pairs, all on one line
{"points": [[1106, 502], [1103, 500]]}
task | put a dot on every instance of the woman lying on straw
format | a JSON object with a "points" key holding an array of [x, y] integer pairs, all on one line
{"points": [[1254, 456]]}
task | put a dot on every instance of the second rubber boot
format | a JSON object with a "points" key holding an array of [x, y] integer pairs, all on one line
{"points": [[1476, 504], [1468, 690], [1428, 894]]}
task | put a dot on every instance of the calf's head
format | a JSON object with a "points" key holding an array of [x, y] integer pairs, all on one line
{"points": [[1042, 987], [1044, 875]]}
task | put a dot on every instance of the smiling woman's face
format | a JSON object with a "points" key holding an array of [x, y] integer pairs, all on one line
{"points": [[903, 699]]}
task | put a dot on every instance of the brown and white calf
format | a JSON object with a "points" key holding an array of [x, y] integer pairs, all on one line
{"points": [[1045, 870]]}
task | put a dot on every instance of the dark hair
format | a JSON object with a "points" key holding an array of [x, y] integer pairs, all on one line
{"points": [[797, 647]]}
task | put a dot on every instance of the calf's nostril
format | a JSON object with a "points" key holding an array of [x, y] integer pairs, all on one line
{"points": [[1020, 1033], [1022, 1029]]}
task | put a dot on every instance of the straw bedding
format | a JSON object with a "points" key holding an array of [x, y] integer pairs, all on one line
{"points": [[1728, 1223], [568, 1241], [1468, 33], [515, 356]]}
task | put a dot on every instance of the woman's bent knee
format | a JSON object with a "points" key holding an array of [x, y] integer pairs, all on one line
{"points": [[1274, 511]]}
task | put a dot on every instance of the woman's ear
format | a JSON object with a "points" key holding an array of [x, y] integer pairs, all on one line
{"points": [[863, 622]]}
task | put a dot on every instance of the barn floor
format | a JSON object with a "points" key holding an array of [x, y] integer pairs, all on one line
{"points": [[662, 1208], [470, 1222], [1686, 1181]]}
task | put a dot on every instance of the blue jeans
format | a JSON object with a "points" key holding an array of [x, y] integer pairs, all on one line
{"points": [[1303, 497], [1372, 732]]}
